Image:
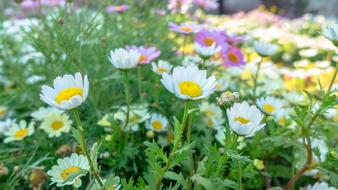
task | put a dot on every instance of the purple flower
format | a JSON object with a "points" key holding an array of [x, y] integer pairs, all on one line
{"points": [[148, 54], [209, 37], [207, 4], [118, 8], [233, 39], [29, 5], [52, 3], [185, 28], [232, 56]]}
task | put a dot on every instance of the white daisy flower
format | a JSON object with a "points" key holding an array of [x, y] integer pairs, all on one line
{"points": [[55, 124], [3, 111], [138, 114], [206, 51], [123, 59], [270, 105], [265, 49], [245, 119], [68, 92], [19, 131], [331, 33], [213, 115], [161, 67], [320, 186], [44, 112], [5, 125], [157, 123], [189, 83], [65, 167]]}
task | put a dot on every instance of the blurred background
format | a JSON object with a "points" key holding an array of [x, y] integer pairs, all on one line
{"points": [[287, 8]]}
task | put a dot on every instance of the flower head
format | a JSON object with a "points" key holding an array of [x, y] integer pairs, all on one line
{"points": [[232, 56], [161, 67], [117, 8], [147, 54], [157, 123], [265, 49], [245, 119], [19, 131], [213, 115], [5, 125], [206, 51], [209, 37], [124, 59], [320, 186], [44, 112], [68, 92], [55, 124], [270, 105], [185, 28], [67, 166], [207, 4], [331, 33], [189, 83], [178, 5]]}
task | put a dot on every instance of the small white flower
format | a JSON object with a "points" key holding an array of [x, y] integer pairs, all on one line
{"points": [[44, 112], [206, 51], [189, 83], [331, 33], [138, 114], [123, 59], [66, 166], [19, 131], [213, 115], [245, 119], [320, 186], [5, 125], [55, 124], [68, 92], [157, 123], [270, 105], [265, 49], [161, 67]]}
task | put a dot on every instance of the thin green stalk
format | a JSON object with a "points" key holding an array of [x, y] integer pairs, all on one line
{"points": [[139, 81], [127, 93], [239, 169], [191, 156], [85, 148], [256, 78], [167, 164]]}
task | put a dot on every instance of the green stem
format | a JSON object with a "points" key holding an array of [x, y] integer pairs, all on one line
{"points": [[139, 81], [239, 169], [256, 78], [85, 148], [167, 164], [191, 156], [127, 93]]}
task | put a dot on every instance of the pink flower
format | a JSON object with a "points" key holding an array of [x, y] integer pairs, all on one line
{"points": [[209, 37], [185, 28], [148, 54], [207, 4], [232, 56], [233, 39], [52, 3], [178, 5], [118, 8], [29, 5]]}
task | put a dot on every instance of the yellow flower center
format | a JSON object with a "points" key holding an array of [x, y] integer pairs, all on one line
{"points": [[210, 122], [185, 29], [233, 57], [111, 188], [191, 89], [56, 125], [21, 133], [209, 113], [269, 108], [157, 125], [2, 111], [162, 70], [65, 173], [209, 41], [242, 120], [143, 58], [68, 93]]}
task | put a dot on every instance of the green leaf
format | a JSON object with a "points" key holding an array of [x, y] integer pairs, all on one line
{"points": [[94, 153], [77, 135], [179, 178]]}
